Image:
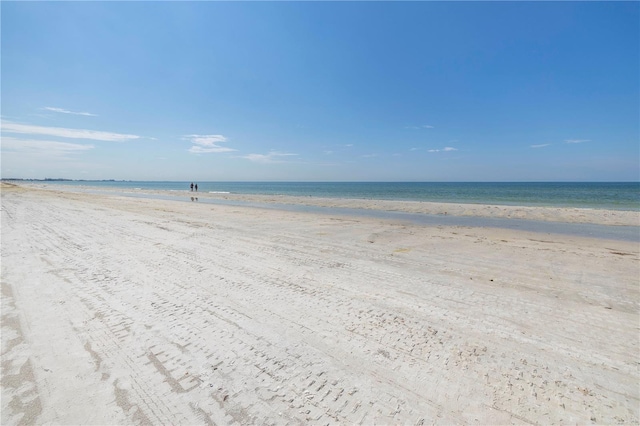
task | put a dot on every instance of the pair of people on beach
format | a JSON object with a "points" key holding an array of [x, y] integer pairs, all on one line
{"points": [[192, 186]]}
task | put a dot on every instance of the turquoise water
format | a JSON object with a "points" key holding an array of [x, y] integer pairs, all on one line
{"points": [[606, 195]]}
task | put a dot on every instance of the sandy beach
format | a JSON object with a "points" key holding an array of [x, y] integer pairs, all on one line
{"points": [[121, 310]]}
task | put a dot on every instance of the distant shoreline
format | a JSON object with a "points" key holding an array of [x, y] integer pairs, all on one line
{"points": [[605, 217], [620, 196]]}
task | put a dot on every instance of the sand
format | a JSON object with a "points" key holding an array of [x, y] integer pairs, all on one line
{"points": [[120, 310]]}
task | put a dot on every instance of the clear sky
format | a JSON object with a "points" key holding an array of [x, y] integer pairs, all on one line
{"points": [[321, 91]]}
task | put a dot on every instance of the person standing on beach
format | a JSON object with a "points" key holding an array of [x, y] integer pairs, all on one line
{"points": [[191, 186], [196, 187]]}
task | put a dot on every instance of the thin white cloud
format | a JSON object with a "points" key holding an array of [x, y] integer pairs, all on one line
{"points": [[424, 126], [66, 111], [414, 149], [542, 145], [328, 152], [206, 144], [42, 146], [445, 149], [206, 140], [370, 155], [214, 149], [272, 157], [576, 140], [11, 127]]}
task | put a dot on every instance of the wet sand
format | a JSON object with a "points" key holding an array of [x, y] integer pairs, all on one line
{"points": [[121, 310]]}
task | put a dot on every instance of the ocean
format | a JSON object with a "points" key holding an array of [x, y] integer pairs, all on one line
{"points": [[604, 195]]}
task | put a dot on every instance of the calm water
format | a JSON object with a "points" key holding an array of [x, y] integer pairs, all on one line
{"points": [[609, 195]]}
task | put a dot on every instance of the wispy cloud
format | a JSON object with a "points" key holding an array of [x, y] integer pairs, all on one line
{"points": [[576, 140], [445, 149], [43, 147], [542, 145], [272, 157], [11, 127], [369, 155], [206, 144], [66, 111], [424, 126]]}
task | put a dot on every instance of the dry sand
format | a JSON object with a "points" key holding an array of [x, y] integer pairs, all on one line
{"points": [[118, 310]]}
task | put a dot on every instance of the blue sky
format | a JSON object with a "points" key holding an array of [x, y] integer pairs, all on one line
{"points": [[321, 91]]}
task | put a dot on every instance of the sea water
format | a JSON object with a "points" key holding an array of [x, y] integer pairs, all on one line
{"points": [[603, 195]]}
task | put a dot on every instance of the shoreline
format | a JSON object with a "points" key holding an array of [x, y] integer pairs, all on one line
{"points": [[121, 310], [548, 214], [604, 195]]}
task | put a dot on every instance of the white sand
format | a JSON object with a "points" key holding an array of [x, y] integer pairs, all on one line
{"points": [[135, 311]]}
